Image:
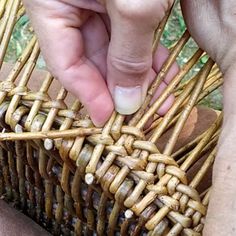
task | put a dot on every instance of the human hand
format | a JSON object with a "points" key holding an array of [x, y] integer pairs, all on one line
{"points": [[212, 25], [95, 65]]}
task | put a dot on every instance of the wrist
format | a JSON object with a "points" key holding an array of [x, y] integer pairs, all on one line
{"points": [[229, 91], [224, 169], [225, 57]]}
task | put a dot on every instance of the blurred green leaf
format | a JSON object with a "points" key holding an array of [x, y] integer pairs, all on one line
{"points": [[204, 59]]}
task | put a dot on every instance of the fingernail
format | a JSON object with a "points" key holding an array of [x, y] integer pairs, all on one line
{"points": [[128, 99]]}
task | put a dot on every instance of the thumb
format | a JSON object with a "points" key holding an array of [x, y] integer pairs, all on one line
{"points": [[130, 51]]}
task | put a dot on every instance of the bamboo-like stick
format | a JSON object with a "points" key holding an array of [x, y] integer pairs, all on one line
{"points": [[23, 82], [52, 134], [8, 30], [155, 106], [161, 75], [194, 183], [159, 30], [208, 147], [4, 21], [2, 7], [37, 103], [99, 148]]}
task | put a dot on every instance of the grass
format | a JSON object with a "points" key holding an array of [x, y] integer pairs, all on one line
{"points": [[174, 30]]}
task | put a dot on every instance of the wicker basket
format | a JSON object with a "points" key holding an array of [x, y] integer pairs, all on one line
{"points": [[124, 179]]}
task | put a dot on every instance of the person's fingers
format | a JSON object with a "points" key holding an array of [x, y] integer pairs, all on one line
{"points": [[96, 41], [130, 52], [93, 5], [62, 46]]}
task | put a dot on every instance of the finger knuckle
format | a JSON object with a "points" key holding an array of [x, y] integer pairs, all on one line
{"points": [[228, 17], [130, 67], [134, 9], [142, 9]]}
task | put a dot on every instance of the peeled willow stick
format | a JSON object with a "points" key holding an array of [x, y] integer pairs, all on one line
{"points": [[63, 147], [21, 89], [8, 85], [48, 143], [20, 13], [210, 80], [98, 150], [39, 97], [160, 77], [2, 7], [214, 72], [52, 134], [203, 94], [186, 203], [210, 87], [170, 114], [4, 18], [211, 144], [9, 28], [190, 145], [159, 30], [165, 210], [156, 105]]}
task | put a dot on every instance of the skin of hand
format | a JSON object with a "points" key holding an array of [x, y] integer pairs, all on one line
{"points": [[212, 24], [101, 51]]}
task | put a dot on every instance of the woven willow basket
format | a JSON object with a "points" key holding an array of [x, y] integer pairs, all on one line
{"points": [[124, 179]]}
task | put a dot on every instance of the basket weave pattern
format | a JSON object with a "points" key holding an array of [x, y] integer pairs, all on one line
{"points": [[76, 179]]}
